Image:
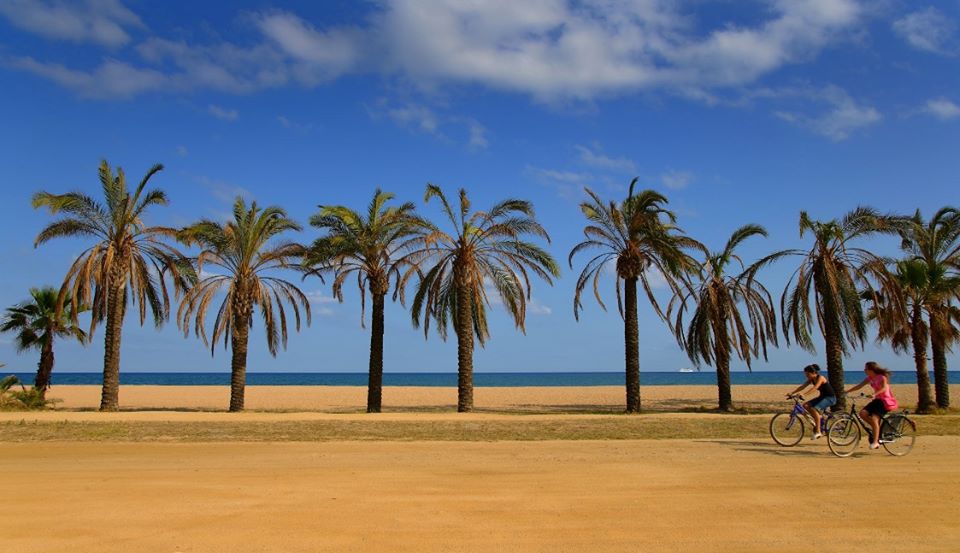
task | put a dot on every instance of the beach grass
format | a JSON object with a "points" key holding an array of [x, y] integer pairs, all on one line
{"points": [[633, 427]]}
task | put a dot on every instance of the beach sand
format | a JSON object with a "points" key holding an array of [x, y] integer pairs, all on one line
{"points": [[352, 399], [663, 495], [164, 495]]}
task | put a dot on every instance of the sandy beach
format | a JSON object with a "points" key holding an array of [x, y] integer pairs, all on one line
{"points": [[174, 472], [352, 399]]}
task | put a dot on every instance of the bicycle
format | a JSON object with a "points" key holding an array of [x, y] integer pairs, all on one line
{"points": [[898, 432], [787, 429]]}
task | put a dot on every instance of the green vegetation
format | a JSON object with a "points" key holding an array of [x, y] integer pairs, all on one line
{"points": [[241, 250], [23, 399], [484, 250]]}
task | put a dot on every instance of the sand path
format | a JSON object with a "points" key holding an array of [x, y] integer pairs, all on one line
{"points": [[665, 495]]}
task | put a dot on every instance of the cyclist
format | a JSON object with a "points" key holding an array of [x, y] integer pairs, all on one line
{"points": [[883, 400], [827, 397]]}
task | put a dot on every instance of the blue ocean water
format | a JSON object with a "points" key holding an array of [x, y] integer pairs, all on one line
{"points": [[499, 379]]}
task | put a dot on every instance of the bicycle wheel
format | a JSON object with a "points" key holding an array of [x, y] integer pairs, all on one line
{"points": [[843, 436], [897, 435], [786, 429]]}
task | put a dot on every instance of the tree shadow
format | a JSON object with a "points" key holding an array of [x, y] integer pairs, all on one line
{"points": [[768, 448]]}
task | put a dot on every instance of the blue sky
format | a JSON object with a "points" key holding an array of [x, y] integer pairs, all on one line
{"points": [[738, 111]]}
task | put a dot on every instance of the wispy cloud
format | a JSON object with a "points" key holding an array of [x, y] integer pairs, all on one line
{"points": [[322, 303], [929, 30], [942, 108], [594, 158], [182, 151], [676, 180], [103, 22], [288, 123], [842, 117], [423, 119], [223, 113]]}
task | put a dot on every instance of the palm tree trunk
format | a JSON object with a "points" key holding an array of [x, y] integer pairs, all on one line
{"points": [[631, 340], [918, 335], [375, 385], [464, 328], [110, 395], [940, 375], [238, 366], [723, 382], [834, 353], [45, 368]]}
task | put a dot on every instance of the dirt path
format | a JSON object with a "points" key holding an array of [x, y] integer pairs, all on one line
{"points": [[665, 495]]}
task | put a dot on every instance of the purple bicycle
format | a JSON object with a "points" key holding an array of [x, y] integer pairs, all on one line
{"points": [[787, 429]]}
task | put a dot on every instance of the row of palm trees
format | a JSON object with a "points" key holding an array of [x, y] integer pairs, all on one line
{"points": [[718, 308]]}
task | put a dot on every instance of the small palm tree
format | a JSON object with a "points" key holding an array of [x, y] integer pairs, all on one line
{"points": [[129, 261], [241, 249], [718, 328], [639, 235], [484, 249], [831, 271], [904, 297], [936, 244], [374, 248], [37, 325]]}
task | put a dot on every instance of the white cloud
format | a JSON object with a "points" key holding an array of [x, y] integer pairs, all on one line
{"points": [[321, 303], [534, 307], [553, 50], [843, 115], [223, 113], [112, 79], [676, 180], [478, 135], [182, 151], [288, 123], [942, 108], [596, 159], [103, 22], [928, 30], [224, 192], [423, 119]]}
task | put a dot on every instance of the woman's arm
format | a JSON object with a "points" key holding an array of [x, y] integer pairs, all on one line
{"points": [[802, 386], [858, 386]]}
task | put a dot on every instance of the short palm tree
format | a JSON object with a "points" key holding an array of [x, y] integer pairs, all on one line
{"points": [[37, 326], [639, 235], [129, 261], [831, 271], [731, 315], [374, 248], [248, 263], [936, 244], [485, 249]]}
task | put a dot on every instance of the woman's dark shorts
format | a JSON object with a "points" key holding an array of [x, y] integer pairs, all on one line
{"points": [[876, 407]]}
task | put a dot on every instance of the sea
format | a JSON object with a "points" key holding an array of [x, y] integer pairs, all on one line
{"points": [[480, 379]]}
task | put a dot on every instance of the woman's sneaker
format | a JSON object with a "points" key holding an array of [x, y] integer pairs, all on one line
{"points": [[816, 436]]}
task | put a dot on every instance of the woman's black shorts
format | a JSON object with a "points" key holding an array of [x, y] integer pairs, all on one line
{"points": [[876, 407]]}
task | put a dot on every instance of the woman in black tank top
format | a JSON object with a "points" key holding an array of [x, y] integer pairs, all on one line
{"points": [[827, 397]]}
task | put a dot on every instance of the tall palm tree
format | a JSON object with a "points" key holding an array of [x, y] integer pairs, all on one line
{"points": [[375, 248], [936, 244], [485, 248], [129, 262], [640, 236], [718, 328], [37, 324], [248, 262], [831, 271]]}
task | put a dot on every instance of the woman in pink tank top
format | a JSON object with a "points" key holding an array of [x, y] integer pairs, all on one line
{"points": [[883, 400]]}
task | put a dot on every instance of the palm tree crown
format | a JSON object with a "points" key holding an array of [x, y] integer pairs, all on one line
{"points": [[374, 248], [484, 253], [128, 261], [37, 325], [247, 262]]}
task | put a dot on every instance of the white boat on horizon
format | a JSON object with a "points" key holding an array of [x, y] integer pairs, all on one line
{"points": [[686, 370]]}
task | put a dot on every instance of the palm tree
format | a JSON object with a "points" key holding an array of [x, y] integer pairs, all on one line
{"points": [[936, 244], [718, 328], [241, 250], [374, 248], [640, 236], [485, 248], [831, 271], [37, 325], [129, 262]]}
